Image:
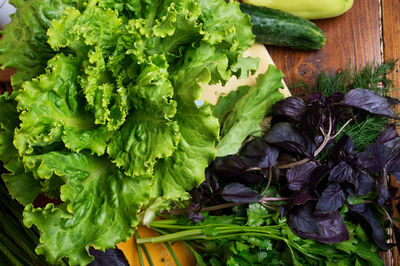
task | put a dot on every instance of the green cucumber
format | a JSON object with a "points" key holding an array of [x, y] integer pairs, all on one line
{"points": [[275, 27]]}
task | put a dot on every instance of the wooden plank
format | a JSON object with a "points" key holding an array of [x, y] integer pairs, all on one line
{"points": [[391, 40], [353, 37]]}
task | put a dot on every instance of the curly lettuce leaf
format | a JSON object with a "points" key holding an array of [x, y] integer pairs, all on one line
{"points": [[80, 33], [95, 26], [22, 186], [51, 111], [227, 29], [150, 132], [100, 205], [249, 111], [225, 25], [24, 45], [108, 101], [144, 138], [184, 170], [170, 33], [200, 65]]}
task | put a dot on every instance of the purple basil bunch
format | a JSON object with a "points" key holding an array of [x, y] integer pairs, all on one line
{"points": [[315, 167]]}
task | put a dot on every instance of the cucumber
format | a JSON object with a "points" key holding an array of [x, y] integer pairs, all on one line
{"points": [[275, 27]]}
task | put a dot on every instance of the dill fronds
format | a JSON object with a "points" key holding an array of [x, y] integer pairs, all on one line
{"points": [[372, 76]]}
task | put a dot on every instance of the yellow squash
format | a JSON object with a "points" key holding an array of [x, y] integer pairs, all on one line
{"points": [[309, 9]]}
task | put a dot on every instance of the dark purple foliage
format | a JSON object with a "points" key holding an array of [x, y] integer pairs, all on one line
{"points": [[229, 166], [392, 101], [299, 175], [383, 194], [317, 179], [302, 220], [291, 107], [393, 163], [388, 134], [331, 199], [368, 101], [341, 173], [371, 224], [304, 195], [374, 158], [258, 153], [365, 184], [326, 228], [311, 120], [315, 185], [194, 213], [110, 256], [239, 193], [233, 169], [343, 149], [290, 138]]}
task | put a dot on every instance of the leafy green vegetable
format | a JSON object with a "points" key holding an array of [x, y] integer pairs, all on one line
{"points": [[248, 240], [249, 111], [103, 112]]}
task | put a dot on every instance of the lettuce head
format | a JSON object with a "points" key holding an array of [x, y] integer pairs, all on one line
{"points": [[103, 112]]}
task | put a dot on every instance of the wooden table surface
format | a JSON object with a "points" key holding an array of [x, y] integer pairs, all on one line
{"points": [[369, 32]]}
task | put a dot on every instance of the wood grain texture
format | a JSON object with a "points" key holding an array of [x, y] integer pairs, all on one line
{"points": [[353, 37], [391, 49]]}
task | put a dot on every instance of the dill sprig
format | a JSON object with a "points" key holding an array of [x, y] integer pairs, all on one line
{"points": [[373, 76]]}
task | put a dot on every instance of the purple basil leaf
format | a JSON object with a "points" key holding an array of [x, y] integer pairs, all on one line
{"points": [[393, 164], [374, 158], [194, 213], [371, 224], [310, 121], [343, 149], [232, 168], [317, 178], [368, 101], [389, 134], [365, 184], [239, 193], [302, 196], [331, 199], [258, 153], [341, 173], [291, 107], [301, 219], [334, 228], [336, 97], [110, 256], [317, 98], [299, 175], [331, 227], [383, 194], [229, 165], [392, 101], [288, 137], [274, 171]]}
